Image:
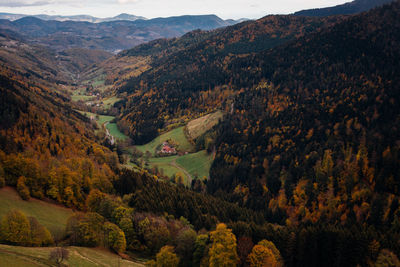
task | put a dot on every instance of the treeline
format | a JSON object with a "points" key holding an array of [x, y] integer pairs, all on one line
{"points": [[145, 194], [307, 244], [117, 223]]}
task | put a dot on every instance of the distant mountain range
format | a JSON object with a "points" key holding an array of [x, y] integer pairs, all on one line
{"points": [[112, 36], [349, 8], [86, 18]]}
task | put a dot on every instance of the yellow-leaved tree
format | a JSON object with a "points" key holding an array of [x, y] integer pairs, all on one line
{"points": [[223, 250], [265, 254], [165, 258]]}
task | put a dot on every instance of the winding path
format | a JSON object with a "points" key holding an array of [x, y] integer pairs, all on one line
{"points": [[176, 165], [111, 137]]}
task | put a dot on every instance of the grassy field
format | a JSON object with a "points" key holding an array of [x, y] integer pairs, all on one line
{"points": [[165, 163], [11, 256], [79, 94], [100, 119], [77, 97], [103, 119], [99, 81], [109, 102], [201, 125], [197, 164], [177, 135], [53, 217], [190, 165], [114, 131]]}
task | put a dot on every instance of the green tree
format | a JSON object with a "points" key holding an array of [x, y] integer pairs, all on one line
{"points": [[155, 234], [2, 179], [85, 229], [185, 244], [126, 225], [223, 250], [15, 229], [40, 236], [166, 257], [115, 237], [120, 213], [200, 249], [22, 189], [94, 200]]}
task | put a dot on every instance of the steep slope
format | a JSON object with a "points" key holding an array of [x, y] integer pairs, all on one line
{"points": [[43, 63], [77, 60], [354, 7], [36, 61], [314, 137], [311, 121], [184, 76], [47, 149]]}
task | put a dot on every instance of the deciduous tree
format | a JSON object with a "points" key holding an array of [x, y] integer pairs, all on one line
{"points": [[223, 250]]}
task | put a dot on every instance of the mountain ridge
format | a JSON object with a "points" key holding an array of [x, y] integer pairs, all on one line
{"points": [[354, 7], [112, 36], [86, 18]]}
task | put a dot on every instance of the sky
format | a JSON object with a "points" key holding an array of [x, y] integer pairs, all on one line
{"points": [[226, 9]]}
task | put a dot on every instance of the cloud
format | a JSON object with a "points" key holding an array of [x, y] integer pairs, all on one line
{"points": [[32, 3], [123, 2], [21, 3]]}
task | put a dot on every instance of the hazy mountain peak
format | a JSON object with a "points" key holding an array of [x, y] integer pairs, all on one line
{"points": [[82, 18], [126, 16]]}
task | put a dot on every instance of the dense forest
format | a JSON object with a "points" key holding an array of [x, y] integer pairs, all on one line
{"points": [[190, 75], [306, 169], [47, 149], [311, 134]]}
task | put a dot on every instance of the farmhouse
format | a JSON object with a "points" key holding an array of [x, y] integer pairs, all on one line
{"points": [[167, 149]]}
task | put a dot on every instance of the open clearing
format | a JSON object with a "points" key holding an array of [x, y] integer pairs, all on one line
{"points": [[104, 119], [165, 163], [78, 256], [177, 135], [100, 119], [114, 131], [197, 164], [109, 102], [201, 125], [53, 217], [194, 165]]}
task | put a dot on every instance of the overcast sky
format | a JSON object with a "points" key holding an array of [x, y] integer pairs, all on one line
{"points": [[163, 8]]}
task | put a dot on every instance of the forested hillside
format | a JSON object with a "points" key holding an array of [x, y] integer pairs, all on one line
{"points": [[311, 133], [321, 119], [190, 75], [47, 149], [111, 36], [353, 7]]}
